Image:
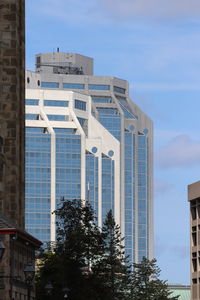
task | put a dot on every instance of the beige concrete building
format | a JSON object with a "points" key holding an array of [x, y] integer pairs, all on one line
{"points": [[112, 131], [194, 199]]}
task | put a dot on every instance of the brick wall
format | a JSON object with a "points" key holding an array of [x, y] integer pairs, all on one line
{"points": [[12, 109]]}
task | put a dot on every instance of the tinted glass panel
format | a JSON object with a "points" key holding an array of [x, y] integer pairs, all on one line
{"points": [[73, 86], [111, 120], [119, 90], [56, 103], [127, 114], [107, 186], [129, 167], [68, 165], [82, 121], [49, 84], [80, 104], [32, 117], [142, 196], [57, 117], [92, 181], [102, 99], [31, 101], [98, 87]]}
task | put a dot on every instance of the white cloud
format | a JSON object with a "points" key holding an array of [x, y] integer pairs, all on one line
{"points": [[180, 151], [117, 9], [76, 12], [152, 8]]}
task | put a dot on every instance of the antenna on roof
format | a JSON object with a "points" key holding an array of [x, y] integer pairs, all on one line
{"points": [[58, 49]]}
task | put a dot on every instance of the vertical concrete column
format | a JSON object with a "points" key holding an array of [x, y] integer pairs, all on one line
{"points": [[12, 60]]}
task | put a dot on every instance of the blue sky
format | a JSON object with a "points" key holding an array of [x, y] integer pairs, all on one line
{"points": [[155, 45]]}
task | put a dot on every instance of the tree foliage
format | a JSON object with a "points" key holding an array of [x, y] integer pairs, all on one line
{"points": [[90, 262], [68, 263], [112, 268], [145, 283]]}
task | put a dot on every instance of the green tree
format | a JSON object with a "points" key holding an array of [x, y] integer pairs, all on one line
{"points": [[145, 283], [79, 243], [91, 262], [78, 236], [112, 268]]}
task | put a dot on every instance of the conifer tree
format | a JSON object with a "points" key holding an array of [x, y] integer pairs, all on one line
{"points": [[90, 262], [112, 268], [77, 234], [145, 283]]}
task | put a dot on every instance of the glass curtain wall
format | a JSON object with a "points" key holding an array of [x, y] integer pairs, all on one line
{"points": [[92, 181], [111, 120], [107, 185], [38, 180], [68, 164], [142, 197], [129, 194]]}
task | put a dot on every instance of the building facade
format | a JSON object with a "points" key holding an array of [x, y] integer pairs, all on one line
{"points": [[93, 143], [194, 200], [19, 245], [12, 91], [19, 252]]}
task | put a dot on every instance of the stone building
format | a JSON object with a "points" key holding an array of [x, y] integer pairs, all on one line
{"points": [[12, 32], [19, 252], [19, 245]]}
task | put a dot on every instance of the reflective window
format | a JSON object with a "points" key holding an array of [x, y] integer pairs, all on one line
{"points": [[101, 99], [56, 103], [35, 130], [68, 165], [57, 117], [94, 149], [111, 120], [82, 121], [107, 185], [119, 90], [49, 84], [73, 86], [64, 130], [142, 196], [92, 181], [80, 104], [127, 113], [108, 111], [31, 101], [98, 87], [32, 116], [121, 98], [129, 169]]}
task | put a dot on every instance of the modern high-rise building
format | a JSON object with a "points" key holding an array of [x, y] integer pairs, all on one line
{"points": [[194, 199], [85, 138]]}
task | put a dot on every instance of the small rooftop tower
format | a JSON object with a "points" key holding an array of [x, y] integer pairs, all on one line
{"points": [[64, 63]]}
